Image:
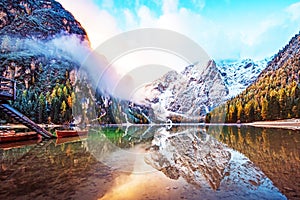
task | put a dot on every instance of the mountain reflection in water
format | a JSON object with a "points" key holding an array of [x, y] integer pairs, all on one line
{"points": [[197, 157], [275, 151], [138, 162]]}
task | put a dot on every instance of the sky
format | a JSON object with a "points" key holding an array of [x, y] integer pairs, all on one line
{"points": [[225, 29]]}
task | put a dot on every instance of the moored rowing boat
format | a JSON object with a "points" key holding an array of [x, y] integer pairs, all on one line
{"points": [[13, 137], [70, 133]]}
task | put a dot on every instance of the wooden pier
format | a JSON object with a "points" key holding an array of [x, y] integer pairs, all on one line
{"points": [[8, 92]]}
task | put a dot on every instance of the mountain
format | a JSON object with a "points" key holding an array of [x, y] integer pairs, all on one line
{"points": [[37, 43], [33, 38], [189, 95], [239, 74], [274, 95], [42, 47], [186, 96], [37, 19]]}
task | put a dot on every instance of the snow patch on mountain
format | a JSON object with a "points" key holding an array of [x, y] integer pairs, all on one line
{"points": [[189, 95], [186, 96], [239, 74]]}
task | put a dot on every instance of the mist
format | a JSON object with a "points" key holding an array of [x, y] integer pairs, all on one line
{"points": [[100, 73]]}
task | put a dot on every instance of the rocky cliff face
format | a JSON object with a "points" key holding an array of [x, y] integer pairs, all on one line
{"points": [[239, 74], [41, 19], [25, 28], [186, 96], [30, 35], [42, 47], [191, 94]]}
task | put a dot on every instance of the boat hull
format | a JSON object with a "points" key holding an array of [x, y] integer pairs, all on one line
{"points": [[66, 140], [69, 133], [18, 137]]}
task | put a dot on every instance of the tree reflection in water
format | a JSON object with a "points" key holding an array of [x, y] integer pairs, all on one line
{"points": [[275, 151], [144, 160], [190, 153]]}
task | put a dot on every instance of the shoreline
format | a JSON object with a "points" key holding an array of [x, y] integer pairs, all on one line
{"points": [[21, 126], [292, 124]]}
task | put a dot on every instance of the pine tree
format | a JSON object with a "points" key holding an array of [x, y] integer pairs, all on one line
{"points": [[41, 108], [65, 91], [264, 109], [232, 113], [63, 110], [240, 111], [55, 110], [69, 101], [249, 111], [257, 111], [282, 102]]}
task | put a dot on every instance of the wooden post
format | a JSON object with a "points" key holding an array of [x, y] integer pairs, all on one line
{"points": [[14, 90]]}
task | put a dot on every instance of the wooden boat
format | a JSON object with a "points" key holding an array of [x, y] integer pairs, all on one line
{"points": [[66, 140], [19, 144], [14, 137], [70, 133]]}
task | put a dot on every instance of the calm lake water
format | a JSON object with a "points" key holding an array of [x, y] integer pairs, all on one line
{"points": [[142, 162]]}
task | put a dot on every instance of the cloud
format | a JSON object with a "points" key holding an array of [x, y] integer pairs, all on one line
{"points": [[257, 40], [294, 11], [213, 38], [240, 36], [169, 6], [199, 4], [146, 18], [130, 19], [99, 24]]}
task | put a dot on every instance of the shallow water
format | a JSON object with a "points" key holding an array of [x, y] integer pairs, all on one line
{"points": [[184, 162]]}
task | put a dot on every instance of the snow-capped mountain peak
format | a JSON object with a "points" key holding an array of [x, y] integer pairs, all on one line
{"points": [[189, 95], [239, 74], [186, 96]]}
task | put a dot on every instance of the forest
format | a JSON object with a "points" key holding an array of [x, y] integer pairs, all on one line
{"points": [[274, 95]]}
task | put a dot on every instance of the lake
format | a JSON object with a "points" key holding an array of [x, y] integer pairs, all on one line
{"points": [[156, 162]]}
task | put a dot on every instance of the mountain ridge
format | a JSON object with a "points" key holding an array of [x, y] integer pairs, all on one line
{"points": [[274, 95], [239, 74], [186, 96], [29, 34], [167, 96], [37, 19]]}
